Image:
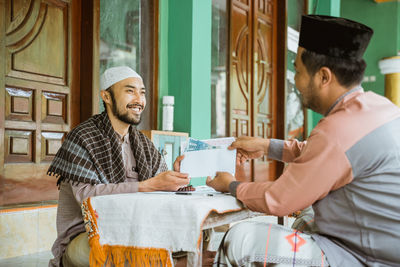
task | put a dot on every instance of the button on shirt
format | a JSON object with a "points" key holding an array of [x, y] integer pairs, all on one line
{"points": [[128, 158]]}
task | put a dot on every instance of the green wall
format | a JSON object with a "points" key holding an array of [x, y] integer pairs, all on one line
{"points": [[384, 19], [163, 57], [185, 64], [398, 28], [325, 7]]}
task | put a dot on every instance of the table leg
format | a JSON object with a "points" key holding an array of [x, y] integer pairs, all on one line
{"points": [[194, 259]]}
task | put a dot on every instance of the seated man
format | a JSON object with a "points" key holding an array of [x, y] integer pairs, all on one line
{"points": [[348, 169], [106, 155]]}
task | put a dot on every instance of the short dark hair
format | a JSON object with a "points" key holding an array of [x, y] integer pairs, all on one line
{"points": [[348, 72], [109, 89]]}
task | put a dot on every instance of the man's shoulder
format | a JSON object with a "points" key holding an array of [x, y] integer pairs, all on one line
{"points": [[357, 118]]}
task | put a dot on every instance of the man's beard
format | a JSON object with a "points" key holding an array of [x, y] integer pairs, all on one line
{"points": [[310, 100], [123, 117]]}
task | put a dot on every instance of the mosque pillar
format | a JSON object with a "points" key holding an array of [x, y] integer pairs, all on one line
{"points": [[390, 67]]}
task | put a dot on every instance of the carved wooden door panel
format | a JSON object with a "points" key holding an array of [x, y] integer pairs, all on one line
{"points": [[252, 88], [39, 82], [264, 84]]}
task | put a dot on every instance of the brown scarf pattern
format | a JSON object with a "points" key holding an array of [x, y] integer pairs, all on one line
{"points": [[91, 153]]}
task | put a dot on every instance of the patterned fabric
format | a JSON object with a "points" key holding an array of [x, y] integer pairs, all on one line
{"points": [[91, 153], [255, 243]]}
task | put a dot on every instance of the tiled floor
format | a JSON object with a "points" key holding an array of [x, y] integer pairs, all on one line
{"points": [[33, 260], [42, 259], [27, 231]]}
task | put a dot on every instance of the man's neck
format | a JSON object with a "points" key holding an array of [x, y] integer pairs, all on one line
{"points": [[119, 126], [336, 93]]}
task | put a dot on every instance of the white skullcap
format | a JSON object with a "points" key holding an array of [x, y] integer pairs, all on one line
{"points": [[116, 74]]}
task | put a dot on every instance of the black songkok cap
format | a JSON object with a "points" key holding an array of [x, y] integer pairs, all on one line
{"points": [[334, 37]]}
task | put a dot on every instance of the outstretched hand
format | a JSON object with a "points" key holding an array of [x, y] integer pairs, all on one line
{"points": [[165, 181], [249, 148], [177, 168], [221, 181]]}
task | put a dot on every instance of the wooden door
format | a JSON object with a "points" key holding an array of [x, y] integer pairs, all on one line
{"points": [[253, 82], [39, 99]]}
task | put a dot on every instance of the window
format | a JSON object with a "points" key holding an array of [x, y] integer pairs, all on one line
{"points": [[294, 128], [127, 37], [219, 66]]}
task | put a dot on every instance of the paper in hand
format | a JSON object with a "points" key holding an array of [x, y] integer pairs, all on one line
{"points": [[207, 157]]}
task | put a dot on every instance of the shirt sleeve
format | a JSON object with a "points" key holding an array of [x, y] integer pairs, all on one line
{"points": [[285, 151], [82, 191], [321, 167]]}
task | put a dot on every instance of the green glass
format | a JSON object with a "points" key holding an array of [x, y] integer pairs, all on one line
{"points": [[120, 34], [294, 128], [127, 39], [219, 66]]}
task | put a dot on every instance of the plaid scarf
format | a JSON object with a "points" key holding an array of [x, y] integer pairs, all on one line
{"points": [[91, 153]]}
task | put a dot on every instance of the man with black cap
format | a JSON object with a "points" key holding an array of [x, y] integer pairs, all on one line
{"points": [[106, 155], [348, 169]]}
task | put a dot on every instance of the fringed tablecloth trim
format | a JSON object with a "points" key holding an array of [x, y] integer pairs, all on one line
{"points": [[118, 255]]}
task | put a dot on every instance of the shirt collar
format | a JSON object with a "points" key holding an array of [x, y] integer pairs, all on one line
{"points": [[124, 139], [341, 98]]}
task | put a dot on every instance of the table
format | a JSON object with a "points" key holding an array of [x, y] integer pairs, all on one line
{"points": [[157, 223]]}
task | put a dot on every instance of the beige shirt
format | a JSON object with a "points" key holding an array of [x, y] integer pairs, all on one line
{"points": [[128, 158]]}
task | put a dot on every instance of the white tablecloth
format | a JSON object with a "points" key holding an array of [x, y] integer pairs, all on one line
{"points": [[150, 220]]}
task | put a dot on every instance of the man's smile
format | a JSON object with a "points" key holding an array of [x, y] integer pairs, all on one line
{"points": [[137, 108]]}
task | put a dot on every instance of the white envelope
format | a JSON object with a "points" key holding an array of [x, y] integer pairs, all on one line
{"points": [[208, 162]]}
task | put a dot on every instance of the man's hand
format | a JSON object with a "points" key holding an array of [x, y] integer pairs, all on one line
{"points": [[177, 168], [177, 163], [165, 181], [249, 148], [221, 181]]}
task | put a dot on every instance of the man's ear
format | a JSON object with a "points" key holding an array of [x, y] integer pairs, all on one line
{"points": [[105, 95], [325, 76]]}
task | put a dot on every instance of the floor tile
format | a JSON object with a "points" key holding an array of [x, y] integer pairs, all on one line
{"points": [[40, 259]]}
